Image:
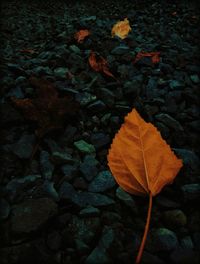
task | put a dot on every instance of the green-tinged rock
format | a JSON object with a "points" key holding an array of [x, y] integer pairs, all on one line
{"points": [[84, 147]]}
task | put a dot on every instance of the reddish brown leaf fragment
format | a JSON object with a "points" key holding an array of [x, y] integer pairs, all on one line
{"points": [[155, 56], [81, 35]]}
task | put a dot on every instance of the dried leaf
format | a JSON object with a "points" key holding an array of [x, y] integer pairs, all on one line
{"points": [[121, 29], [155, 56], [140, 160], [81, 35], [99, 64], [47, 109]]}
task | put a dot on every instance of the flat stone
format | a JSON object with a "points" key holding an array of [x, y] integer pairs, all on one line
{"points": [[88, 167], [120, 50], [24, 146], [89, 211], [169, 121], [60, 72], [191, 191], [97, 106], [195, 78], [100, 140], [69, 171], [84, 147], [126, 199], [175, 218], [32, 214], [102, 182], [4, 209], [60, 157], [47, 167]]}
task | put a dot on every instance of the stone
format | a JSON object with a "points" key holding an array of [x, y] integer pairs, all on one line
{"points": [[60, 157], [4, 209], [84, 147], [107, 96], [89, 211], [148, 258], [83, 199], [96, 107], [99, 255], [16, 92], [60, 72], [80, 183], [184, 256], [175, 218], [169, 121], [24, 146], [102, 182], [69, 171], [75, 49], [31, 215], [50, 190], [161, 239], [100, 140], [85, 98], [54, 241], [88, 167], [191, 192], [175, 84], [132, 87], [195, 78], [186, 243], [46, 166], [126, 199], [120, 50]]}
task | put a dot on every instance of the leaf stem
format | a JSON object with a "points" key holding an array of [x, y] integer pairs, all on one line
{"points": [[141, 249]]}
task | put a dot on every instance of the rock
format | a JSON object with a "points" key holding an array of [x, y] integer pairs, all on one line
{"points": [[194, 78], [166, 203], [186, 243], [80, 183], [88, 167], [85, 98], [16, 92], [50, 190], [75, 49], [83, 199], [24, 146], [161, 239], [31, 215], [169, 121], [84, 147], [47, 167], [97, 106], [68, 135], [4, 209], [61, 72], [191, 191], [190, 159], [102, 182], [148, 258], [9, 114], [89, 211], [99, 255], [69, 171], [54, 241], [120, 50], [107, 96], [40, 70], [151, 88], [126, 199], [100, 140], [132, 87], [60, 157], [175, 84], [175, 218]]}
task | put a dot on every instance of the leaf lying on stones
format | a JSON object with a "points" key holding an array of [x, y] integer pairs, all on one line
{"points": [[121, 29], [81, 35], [141, 161], [47, 109], [99, 64], [155, 56]]}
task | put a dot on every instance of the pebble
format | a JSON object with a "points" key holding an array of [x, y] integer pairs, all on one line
{"points": [[47, 167], [69, 171], [89, 211], [191, 192], [60, 157], [88, 167], [96, 107], [102, 182], [126, 199], [194, 78], [60, 72], [175, 218], [4, 209], [84, 147], [169, 121], [161, 239], [120, 50], [100, 140]]}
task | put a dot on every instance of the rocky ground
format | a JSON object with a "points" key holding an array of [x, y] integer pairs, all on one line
{"points": [[63, 205]]}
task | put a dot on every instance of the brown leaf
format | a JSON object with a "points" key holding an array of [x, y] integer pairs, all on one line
{"points": [[47, 109], [140, 160], [155, 56], [99, 64], [81, 35]]}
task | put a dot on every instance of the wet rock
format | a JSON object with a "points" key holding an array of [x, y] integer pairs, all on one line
{"points": [[166, 203], [89, 211], [84, 147], [195, 78], [80, 183], [60, 72], [186, 243], [97, 107], [85, 98], [88, 167], [60, 157], [184, 256], [102, 182], [83, 199], [191, 191], [126, 199], [4, 209], [161, 239], [107, 96], [24, 147], [175, 84], [175, 218], [75, 49], [100, 255], [50, 190], [100, 140], [47, 167], [132, 87], [68, 135], [169, 121], [120, 50], [31, 215]]}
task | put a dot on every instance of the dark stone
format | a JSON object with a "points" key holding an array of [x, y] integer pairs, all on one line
{"points": [[54, 241], [88, 167], [4, 209], [120, 50], [69, 171], [191, 191], [169, 121], [60, 157], [97, 107], [175, 218], [102, 182], [47, 167], [89, 211], [184, 256], [100, 140], [80, 183], [106, 96], [31, 215], [132, 87]]}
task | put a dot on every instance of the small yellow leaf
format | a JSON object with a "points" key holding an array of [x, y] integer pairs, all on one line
{"points": [[121, 29]]}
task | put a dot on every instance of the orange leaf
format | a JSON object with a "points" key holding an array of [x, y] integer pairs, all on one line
{"points": [[81, 35], [99, 64], [121, 29], [155, 56], [142, 162]]}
